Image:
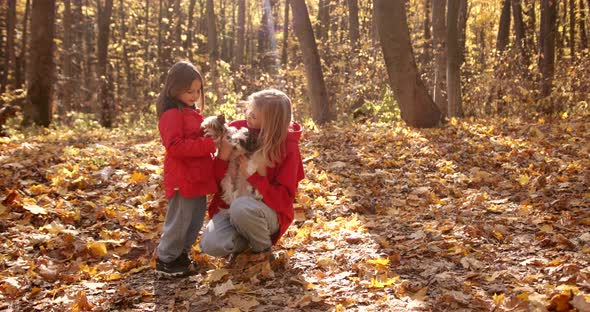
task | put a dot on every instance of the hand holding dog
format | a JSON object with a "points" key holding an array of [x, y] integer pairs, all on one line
{"points": [[244, 166], [224, 149]]}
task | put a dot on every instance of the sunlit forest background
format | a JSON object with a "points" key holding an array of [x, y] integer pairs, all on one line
{"points": [[244, 46]]}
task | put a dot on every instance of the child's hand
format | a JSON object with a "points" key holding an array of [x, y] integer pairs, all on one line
{"points": [[224, 149], [244, 166]]}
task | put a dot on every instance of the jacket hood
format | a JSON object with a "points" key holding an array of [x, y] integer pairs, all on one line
{"points": [[295, 132]]}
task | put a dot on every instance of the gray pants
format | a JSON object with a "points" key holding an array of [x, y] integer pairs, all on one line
{"points": [[247, 223], [184, 220]]}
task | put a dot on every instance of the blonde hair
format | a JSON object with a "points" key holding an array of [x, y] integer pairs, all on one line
{"points": [[179, 79], [274, 108]]}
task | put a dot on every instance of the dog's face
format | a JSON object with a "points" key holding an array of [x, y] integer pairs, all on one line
{"points": [[244, 141], [214, 126]]}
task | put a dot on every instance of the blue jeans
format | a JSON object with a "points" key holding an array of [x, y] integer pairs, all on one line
{"points": [[184, 220], [247, 223]]}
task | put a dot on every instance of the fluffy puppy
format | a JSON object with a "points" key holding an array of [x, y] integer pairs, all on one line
{"points": [[216, 128], [243, 142], [233, 183]]}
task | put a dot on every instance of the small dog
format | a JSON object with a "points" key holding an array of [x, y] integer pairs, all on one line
{"points": [[216, 128], [244, 143]]}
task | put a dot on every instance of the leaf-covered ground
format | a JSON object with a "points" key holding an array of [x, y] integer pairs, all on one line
{"points": [[477, 215]]}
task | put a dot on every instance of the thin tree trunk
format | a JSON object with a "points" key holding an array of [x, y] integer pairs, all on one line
{"points": [[353, 23], [161, 65], [324, 18], [504, 27], [270, 55], [10, 60], [462, 28], [90, 44], [440, 54], [188, 43], [105, 91], [146, 36], [583, 35], [21, 74], [39, 103], [318, 95], [519, 26], [547, 56], [453, 61], [427, 33], [416, 105], [572, 38], [239, 48], [68, 87], [285, 52], [211, 34]]}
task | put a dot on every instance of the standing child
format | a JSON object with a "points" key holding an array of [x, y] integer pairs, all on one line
{"points": [[188, 168], [251, 223]]}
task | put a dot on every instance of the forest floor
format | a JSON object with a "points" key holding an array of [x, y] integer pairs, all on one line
{"points": [[479, 215]]}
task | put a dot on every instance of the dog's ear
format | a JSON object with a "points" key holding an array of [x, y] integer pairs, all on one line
{"points": [[221, 118]]}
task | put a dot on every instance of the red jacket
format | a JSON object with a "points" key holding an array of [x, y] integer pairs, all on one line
{"points": [[188, 164], [278, 187]]}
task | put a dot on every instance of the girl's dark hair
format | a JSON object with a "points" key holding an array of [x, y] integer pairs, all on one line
{"points": [[179, 79]]}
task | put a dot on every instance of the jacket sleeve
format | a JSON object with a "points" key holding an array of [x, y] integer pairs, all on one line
{"points": [[279, 193], [176, 144]]}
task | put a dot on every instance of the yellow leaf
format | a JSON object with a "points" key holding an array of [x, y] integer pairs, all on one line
{"points": [[97, 249], [381, 282], [39, 189], [523, 179], [138, 177], [523, 296], [498, 299], [114, 277], [380, 261]]}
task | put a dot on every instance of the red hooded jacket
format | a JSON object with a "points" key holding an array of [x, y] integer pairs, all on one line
{"points": [[188, 164], [278, 187]]}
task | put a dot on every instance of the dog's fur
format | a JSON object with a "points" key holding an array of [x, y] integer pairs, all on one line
{"points": [[244, 143]]}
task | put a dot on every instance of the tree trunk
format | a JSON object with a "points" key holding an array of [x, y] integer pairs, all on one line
{"points": [[353, 23], [146, 36], [271, 61], [427, 33], [572, 38], [416, 106], [519, 26], [239, 49], [532, 24], [324, 18], [188, 43], [10, 60], [321, 109], [440, 54], [160, 42], [285, 52], [211, 34], [504, 27], [68, 84], [39, 103], [583, 35], [104, 90], [547, 55], [453, 61], [20, 75], [462, 29]]}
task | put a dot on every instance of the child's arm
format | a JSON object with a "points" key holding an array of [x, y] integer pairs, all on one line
{"points": [[279, 193], [176, 144]]}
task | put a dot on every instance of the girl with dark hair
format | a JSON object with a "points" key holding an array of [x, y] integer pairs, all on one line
{"points": [[188, 168]]}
